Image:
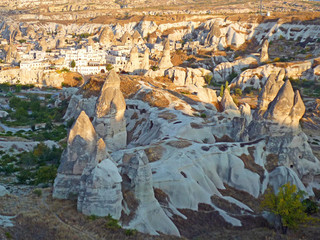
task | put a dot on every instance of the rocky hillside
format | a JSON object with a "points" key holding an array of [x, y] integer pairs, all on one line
{"points": [[180, 153]]}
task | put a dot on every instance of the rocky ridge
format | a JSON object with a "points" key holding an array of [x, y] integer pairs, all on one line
{"points": [[171, 149]]}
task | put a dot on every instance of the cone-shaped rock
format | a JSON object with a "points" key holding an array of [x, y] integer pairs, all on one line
{"points": [[264, 56], [280, 107], [100, 192], [106, 36], [133, 63], [269, 92], [165, 61], [296, 112], [149, 216], [80, 151], [145, 65], [110, 122], [126, 38], [227, 101]]}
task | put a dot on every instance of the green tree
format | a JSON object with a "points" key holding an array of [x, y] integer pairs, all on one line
{"points": [[73, 64], [227, 86], [109, 67], [287, 206], [221, 90], [208, 78]]}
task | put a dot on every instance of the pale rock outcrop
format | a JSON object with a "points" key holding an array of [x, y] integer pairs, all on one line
{"points": [[223, 70], [3, 114], [148, 217], [227, 102], [287, 107], [145, 65], [11, 54], [165, 61], [43, 44], [100, 191], [77, 104], [136, 38], [245, 112], [61, 42], [264, 55], [257, 77], [214, 35], [187, 76], [269, 91], [133, 64], [297, 111], [126, 39], [3, 191], [80, 151], [106, 37], [29, 76], [207, 95], [282, 175], [110, 122]]}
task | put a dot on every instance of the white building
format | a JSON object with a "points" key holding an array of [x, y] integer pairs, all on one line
{"points": [[35, 65]]}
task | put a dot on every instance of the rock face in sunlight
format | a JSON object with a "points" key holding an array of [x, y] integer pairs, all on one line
{"points": [[110, 122], [227, 102], [81, 148], [287, 107], [165, 61], [264, 55], [133, 64], [164, 151]]}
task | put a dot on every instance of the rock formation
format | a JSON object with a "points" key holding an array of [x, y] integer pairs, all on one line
{"points": [[187, 76], [165, 61], [207, 95], [136, 38], [11, 54], [227, 102], [100, 191], [126, 39], [81, 150], [148, 216], [214, 34], [145, 65], [110, 122], [133, 64], [269, 91], [106, 37], [287, 107], [43, 44], [264, 56]]}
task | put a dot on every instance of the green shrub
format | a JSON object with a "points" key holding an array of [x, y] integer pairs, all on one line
{"points": [[8, 235], [311, 207], [221, 90], [112, 223], [73, 64], [93, 217], [37, 192], [154, 68], [109, 67], [46, 174], [287, 205], [208, 78], [238, 91], [25, 176], [232, 76], [130, 232], [203, 115]]}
